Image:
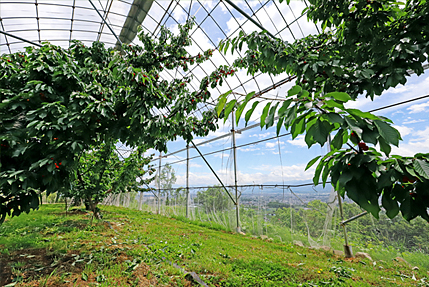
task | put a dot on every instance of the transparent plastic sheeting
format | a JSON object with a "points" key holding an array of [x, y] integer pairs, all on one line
{"points": [[60, 21]]}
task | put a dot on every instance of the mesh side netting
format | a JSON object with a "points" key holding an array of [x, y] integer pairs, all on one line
{"points": [[292, 220], [287, 212]]}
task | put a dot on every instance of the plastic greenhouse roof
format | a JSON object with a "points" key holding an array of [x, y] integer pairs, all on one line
{"points": [[60, 21]]}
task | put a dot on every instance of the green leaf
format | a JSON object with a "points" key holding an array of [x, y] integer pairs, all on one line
{"points": [[222, 101], [291, 115], [250, 112], [298, 126], [265, 114], [270, 118], [239, 111], [345, 177], [408, 208], [334, 104], [284, 108], [338, 142], [370, 136], [43, 162], [317, 173], [279, 125], [249, 96], [354, 126], [326, 171], [320, 131], [334, 118], [294, 91], [309, 140], [421, 167], [391, 205], [384, 147], [390, 134], [228, 109], [311, 162], [226, 47], [84, 276], [360, 114], [343, 97]]}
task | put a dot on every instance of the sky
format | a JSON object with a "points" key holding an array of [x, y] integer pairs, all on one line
{"points": [[283, 160], [275, 161]]}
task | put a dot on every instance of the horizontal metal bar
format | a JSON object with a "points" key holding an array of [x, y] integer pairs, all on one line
{"points": [[344, 222], [53, 29], [56, 4], [54, 40], [249, 185]]}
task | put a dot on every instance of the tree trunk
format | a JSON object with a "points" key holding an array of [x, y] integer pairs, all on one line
{"points": [[93, 207]]}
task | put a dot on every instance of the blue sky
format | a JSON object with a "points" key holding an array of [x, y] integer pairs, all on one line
{"points": [[283, 160], [261, 163]]}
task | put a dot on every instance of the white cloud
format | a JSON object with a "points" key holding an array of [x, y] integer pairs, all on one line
{"points": [[274, 144], [403, 130], [412, 121], [264, 174], [298, 141], [419, 143], [262, 135], [396, 95], [249, 149], [418, 108]]}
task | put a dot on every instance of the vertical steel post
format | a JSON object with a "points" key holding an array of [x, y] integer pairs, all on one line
{"points": [[159, 183], [187, 181], [347, 249], [237, 205]]}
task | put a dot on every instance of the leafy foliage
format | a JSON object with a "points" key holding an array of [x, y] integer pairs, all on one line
{"points": [[103, 172], [213, 199], [370, 47], [365, 48], [56, 104], [165, 180]]}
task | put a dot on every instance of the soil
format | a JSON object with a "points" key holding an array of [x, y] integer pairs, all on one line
{"points": [[32, 264]]}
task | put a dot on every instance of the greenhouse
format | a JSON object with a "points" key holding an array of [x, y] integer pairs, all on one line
{"points": [[214, 143]]}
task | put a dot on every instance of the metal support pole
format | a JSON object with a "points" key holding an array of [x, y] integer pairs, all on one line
{"points": [[215, 174], [347, 249], [249, 18], [159, 184], [344, 222], [105, 22], [187, 181], [237, 205], [22, 39]]}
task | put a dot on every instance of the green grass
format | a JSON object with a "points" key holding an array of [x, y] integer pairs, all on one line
{"points": [[140, 248]]}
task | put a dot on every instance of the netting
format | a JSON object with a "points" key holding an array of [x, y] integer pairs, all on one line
{"points": [[263, 182], [278, 203]]}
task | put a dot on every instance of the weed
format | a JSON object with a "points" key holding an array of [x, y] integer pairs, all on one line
{"points": [[341, 271], [17, 264], [139, 249]]}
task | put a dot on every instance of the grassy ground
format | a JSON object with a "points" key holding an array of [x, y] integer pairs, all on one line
{"points": [[133, 248]]}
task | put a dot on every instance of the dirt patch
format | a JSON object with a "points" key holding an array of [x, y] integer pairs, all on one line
{"points": [[29, 264], [76, 212], [32, 267]]}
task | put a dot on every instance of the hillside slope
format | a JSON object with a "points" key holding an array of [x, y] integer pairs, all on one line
{"points": [[131, 248]]}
